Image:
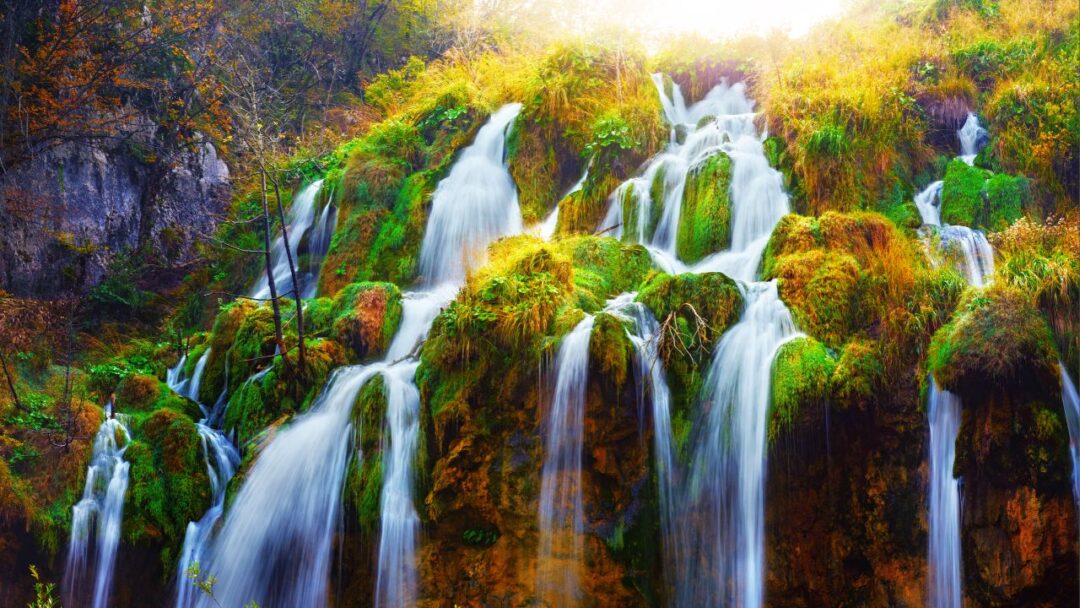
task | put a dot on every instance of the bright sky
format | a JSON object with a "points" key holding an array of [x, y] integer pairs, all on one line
{"points": [[720, 18]]}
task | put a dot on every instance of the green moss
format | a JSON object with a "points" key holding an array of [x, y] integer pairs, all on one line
{"points": [[705, 221], [168, 483], [258, 402], [996, 339], [319, 317], [710, 302], [603, 268], [963, 201], [859, 374], [365, 317], [222, 337], [800, 377], [610, 349], [363, 486], [1006, 197], [822, 291]]}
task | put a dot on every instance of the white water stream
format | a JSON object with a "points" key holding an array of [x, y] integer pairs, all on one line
{"points": [[96, 519]]}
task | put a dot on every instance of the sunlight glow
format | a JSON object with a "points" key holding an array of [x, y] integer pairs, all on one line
{"points": [[714, 19]]}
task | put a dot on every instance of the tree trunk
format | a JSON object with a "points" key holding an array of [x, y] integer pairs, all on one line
{"points": [[10, 383], [270, 271], [292, 273]]}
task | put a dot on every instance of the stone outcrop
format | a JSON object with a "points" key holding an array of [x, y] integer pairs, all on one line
{"points": [[68, 213]]}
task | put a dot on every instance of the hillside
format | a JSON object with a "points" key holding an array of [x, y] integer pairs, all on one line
{"points": [[318, 305]]}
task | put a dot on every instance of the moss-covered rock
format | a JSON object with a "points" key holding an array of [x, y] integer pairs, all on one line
{"points": [[363, 483], [222, 337], [281, 391], [801, 377], [996, 340], [859, 374], [603, 268], [168, 483], [1006, 197], [822, 290], [710, 302], [610, 350], [366, 316], [963, 195], [705, 221], [137, 393]]}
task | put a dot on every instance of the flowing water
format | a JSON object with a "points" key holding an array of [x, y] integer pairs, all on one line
{"points": [[965, 248], [318, 246], [561, 508], [968, 251], [275, 546], [944, 553], [973, 138], [96, 519], [714, 526], [474, 205], [222, 459], [716, 123], [727, 483], [301, 217]]}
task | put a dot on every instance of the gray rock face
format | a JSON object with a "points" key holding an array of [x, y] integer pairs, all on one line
{"points": [[66, 215]]}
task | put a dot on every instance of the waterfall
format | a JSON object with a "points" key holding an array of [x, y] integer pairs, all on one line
{"points": [[928, 203], [976, 255], [722, 121], [645, 335], [301, 216], [222, 459], [973, 138], [561, 509], [275, 546], [396, 584], [727, 483], [944, 575], [99, 513], [318, 246], [721, 561], [969, 248], [474, 205], [1071, 401]]}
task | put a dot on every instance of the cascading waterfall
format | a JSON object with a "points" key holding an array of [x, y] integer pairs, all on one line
{"points": [[474, 205], [944, 552], [561, 506], [301, 217], [645, 337], [719, 122], [222, 459], [98, 515], [968, 250], [275, 545], [975, 256], [721, 562], [318, 246], [726, 491], [972, 139]]}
